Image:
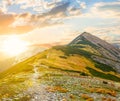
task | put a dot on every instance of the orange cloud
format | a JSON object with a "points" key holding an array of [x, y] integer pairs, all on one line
{"points": [[17, 30], [7, 19]]}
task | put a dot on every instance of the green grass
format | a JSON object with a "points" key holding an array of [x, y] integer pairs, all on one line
{"points": [[104, 67], [66, 70], [71, 50], [86, 42], [103, 75]]}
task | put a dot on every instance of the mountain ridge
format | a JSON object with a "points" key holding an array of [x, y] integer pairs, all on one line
{"points": [[95, 40], [68, 72], [106, 51]]}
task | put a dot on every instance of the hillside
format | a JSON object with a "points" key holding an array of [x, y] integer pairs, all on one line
{"points": [[102, 51], [10, 61], [75, 72]]}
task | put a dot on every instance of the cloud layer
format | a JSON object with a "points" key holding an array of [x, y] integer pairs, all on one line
{"points": [[29, 17], [38, 13], [110, 9]]}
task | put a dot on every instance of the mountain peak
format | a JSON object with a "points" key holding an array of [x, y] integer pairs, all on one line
{"points": [[88, 39], [89, 36], [103, 51], [85, 33]]}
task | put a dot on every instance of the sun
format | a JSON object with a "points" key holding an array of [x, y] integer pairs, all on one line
{"points": [[14, 46]]}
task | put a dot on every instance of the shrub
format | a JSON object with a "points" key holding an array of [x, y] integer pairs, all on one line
{"points": [[83, 74], [107, 99], [104, 91], [56, 88], [64, 57], [87, 97]]}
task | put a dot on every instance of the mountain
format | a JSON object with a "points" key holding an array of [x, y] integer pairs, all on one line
{"points": [[79, 71], [103, 52]]}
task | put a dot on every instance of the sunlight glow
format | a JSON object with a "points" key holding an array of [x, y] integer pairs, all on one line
{"points": [[13, 46]]}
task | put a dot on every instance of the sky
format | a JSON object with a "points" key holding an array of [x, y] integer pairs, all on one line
{"points": [[59, 21]]}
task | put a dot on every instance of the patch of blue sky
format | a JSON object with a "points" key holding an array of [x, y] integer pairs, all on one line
{"points": [[92, 2], [16, 9]]}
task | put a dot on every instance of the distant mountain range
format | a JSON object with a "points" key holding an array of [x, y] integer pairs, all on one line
{"points": [[86, 69]]}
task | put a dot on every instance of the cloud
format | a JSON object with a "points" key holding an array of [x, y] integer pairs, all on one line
{"points": [[46, 14], [6, 19], [83, 5], [5, 25], [47, 35], [106, 9], [23, 23], [42, 6], [51, 13], [108, 33]]}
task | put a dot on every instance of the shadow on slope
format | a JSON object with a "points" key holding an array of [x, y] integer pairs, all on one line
{"points": [[103, 75]]}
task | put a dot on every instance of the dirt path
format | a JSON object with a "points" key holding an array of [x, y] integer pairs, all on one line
{"points": [[38, 91]]}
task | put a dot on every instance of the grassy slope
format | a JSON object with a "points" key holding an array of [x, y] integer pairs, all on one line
{"points": [[56, 64], [65, 58]]}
